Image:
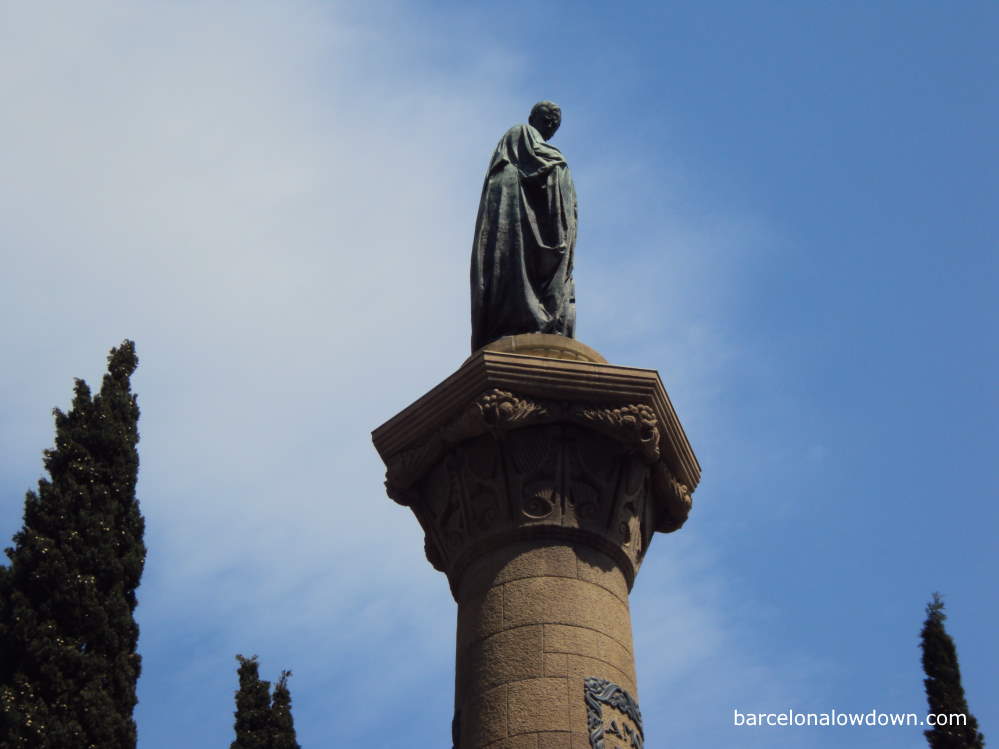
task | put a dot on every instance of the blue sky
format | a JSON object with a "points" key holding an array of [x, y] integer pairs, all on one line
{"points": [[788, 209]]}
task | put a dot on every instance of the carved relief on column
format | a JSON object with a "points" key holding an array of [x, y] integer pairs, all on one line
{"points": [[625, 728], [511, 467]]}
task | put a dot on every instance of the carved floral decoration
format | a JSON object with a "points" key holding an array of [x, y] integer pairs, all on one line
{"points": [[514, 464]]}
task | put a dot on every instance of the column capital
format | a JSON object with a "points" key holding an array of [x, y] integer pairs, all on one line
{"points": [[514, 446]]}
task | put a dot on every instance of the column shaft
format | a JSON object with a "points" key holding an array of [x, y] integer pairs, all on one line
{"points": [[540, 474], [535, 619]]}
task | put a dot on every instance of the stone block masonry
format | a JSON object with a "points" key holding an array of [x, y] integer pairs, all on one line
{"points": [[539, 474], [534, 620]]}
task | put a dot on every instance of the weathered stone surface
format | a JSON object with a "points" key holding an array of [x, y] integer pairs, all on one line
{"points": [[611, 651], [580, 667], [534, 628], [538, 377], [480, 616], [484, 718], [511, 447], [568, 638], [557, 481], [539, 483], [539, 705], [521, 741], [547, 346], [506, 656], [577, 711], [598, 568], [541, 600], [556, 664], [554, 740], [575, 640], [519, 560]]}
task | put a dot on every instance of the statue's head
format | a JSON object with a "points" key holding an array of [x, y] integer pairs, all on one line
{"points": [[545, 118]]}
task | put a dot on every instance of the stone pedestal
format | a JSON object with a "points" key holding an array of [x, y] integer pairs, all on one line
{"points": [[539, 474]]}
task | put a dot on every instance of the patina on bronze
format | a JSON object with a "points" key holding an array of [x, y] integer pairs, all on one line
{"points": [[525, 234]]}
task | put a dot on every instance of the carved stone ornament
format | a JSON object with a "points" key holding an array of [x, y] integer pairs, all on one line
{"points": [[510, 467], [497, 411], [622, 729], [634, 425], [494, 412]]}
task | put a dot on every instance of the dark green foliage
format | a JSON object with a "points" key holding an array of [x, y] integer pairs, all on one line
{"points": [[283, 736], [262, 722], [253, 707], [68, 666], [944, 692]]}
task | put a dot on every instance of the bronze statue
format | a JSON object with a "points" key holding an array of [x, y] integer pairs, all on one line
{"points": [[525, 234]]}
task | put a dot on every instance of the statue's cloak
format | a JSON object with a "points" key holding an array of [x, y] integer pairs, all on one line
{"points": [[525, 234]]}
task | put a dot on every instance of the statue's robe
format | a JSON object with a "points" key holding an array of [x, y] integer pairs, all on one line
{"points": [[525, 234]]}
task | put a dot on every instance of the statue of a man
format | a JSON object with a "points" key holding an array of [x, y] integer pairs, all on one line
{"points": [[524, 236]]}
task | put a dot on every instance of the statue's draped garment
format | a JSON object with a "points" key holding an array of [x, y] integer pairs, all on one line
{"points": [[525, 234]]}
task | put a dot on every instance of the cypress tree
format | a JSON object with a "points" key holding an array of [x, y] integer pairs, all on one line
{"points": [[262, 722], [282, 724], [253, 707], [68, 666], [944, 692]]}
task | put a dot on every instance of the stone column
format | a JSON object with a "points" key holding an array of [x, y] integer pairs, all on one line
{"points": [[539, 474]]}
